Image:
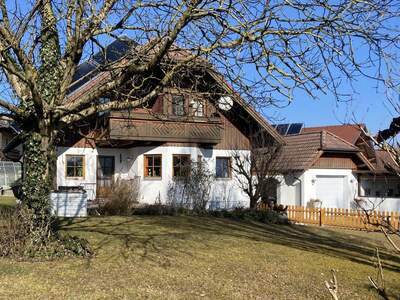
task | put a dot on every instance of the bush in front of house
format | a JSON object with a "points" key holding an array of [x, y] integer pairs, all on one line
{"points": [[21, 238], [124, 195], [244, 214], [160, 210], [247, 214]]}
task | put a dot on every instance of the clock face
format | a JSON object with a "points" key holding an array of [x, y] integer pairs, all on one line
{"points": [[225, 103]]}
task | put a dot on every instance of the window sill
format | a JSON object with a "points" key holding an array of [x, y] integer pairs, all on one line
{"points": [[223, 178], [152, 178], [75, 178]]}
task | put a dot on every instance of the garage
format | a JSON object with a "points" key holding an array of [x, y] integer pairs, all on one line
{"points": [[330, 190]]}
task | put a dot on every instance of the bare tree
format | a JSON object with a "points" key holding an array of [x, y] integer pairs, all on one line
{"points": [[284, 45], [191, 189], [257, 171]]}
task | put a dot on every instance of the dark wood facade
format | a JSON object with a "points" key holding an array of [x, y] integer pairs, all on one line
{"points": [[158, 123], [335, 163], [339, 161], [144, 127]]}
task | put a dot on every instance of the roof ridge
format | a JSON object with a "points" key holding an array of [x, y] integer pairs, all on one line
{"points": [[338, 125], [303, 133]]}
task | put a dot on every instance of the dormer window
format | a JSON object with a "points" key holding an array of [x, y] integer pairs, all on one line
{"points": [[178, 105]]}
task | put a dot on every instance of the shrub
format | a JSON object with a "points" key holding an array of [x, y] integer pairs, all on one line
{"points": [[123, 197], [263, 216], [159, 209], [191, 192], [21, 237]]}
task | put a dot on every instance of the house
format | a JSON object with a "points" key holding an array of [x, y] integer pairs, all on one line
{"points": [[10, 168], [151, 144], [336, 167], [200, 118]]}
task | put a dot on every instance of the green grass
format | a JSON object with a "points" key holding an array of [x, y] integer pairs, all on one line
{"points": [[7, 201], [150, 257]]}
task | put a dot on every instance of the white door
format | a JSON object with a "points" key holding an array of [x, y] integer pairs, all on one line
{"points": [[330, 190]]}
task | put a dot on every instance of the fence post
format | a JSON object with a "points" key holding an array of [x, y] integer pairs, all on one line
{"points": [[321, 216]]}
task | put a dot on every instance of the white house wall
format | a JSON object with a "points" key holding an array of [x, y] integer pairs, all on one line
{"points": [[308, 187], [380, 186], [129, 163], [350, 184], [290, 189], [123, 167]]}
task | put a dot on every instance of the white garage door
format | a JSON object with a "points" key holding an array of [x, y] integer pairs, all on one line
{"points": [[330, 190]]}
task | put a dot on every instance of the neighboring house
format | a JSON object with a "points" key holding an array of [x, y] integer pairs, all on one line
{"points": [[335, 166], [151, 144], [10, 168]]}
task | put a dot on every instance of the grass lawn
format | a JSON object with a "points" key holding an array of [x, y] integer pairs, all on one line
{"points": [[7, 201], [203, 258]]}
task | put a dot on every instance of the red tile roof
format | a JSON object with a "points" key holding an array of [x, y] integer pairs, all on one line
{"points": [[348, 132], [302, 150]]}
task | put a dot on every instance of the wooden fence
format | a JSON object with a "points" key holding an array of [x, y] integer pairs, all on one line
{"points": [[345, 218]]}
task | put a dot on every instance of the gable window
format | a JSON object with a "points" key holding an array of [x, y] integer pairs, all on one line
{"points": [[178, 105], [223, 167], [196, 107], [75, 165], [152, 165], [181, 165]]}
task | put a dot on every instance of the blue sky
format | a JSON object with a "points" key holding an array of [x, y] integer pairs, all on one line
{"points": [[369, 107]]}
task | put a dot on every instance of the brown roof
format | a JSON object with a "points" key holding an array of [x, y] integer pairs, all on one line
{"points": [[348, 132], [302, 150], [385, 162], [104, 76]]}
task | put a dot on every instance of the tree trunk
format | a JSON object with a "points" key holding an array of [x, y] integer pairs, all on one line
{"points": [[253, 202], [39, 173]]}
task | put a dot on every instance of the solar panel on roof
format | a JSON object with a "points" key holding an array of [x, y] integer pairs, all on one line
{"points": [[114, 51], [289, 129], [282, 128], [295, 128]]}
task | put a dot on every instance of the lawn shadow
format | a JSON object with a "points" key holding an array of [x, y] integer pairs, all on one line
{"points": [[140, 233], [131, 234]]}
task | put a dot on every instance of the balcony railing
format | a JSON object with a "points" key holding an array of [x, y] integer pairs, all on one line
{"points": [[145, 127]]}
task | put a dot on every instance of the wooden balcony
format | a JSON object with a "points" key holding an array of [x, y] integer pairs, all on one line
{"points": [[146, 127]]}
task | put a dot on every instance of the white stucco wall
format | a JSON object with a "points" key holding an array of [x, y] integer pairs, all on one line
{"points": [[380, 193], [308, 187], [123, 166], [380, 203], [350, 184], [288, 192], [290, 189], [129, 163]]}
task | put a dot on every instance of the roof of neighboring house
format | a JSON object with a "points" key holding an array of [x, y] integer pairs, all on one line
{"points": [[348, 132], [385, 162], [302, 150]]}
